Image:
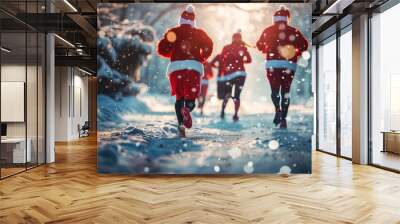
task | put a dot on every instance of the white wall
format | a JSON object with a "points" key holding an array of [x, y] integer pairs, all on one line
{"points": [[81, 102], [61, 103], [14, 73], [71, 102]]}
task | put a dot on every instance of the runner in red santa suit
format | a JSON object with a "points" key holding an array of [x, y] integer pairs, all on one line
{"points": [[234, 56], [188, 48], [282, 45], [208, 74]]}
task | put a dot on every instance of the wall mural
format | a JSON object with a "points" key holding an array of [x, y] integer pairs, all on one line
{"points": [[221, 88]]}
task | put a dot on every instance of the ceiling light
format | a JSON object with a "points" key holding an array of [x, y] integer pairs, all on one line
{"points": [[331, 7], [65, 41], [338, 6], [70, 5], [84, 71], [5, 50]]}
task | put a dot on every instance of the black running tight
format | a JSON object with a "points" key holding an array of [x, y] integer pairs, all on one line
{"points": [[179, 104]]}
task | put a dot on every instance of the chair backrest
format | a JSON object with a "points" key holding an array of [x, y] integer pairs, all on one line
{"points": [[86, 125]]}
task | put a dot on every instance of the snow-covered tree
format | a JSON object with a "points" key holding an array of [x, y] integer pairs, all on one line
{"points": [[123, 47]]}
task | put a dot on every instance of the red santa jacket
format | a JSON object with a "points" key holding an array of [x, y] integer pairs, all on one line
{"points": [[283, 45], [234, 56], [187, 48]]}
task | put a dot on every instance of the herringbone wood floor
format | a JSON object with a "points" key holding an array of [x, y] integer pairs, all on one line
{"points": [[70, 191]]}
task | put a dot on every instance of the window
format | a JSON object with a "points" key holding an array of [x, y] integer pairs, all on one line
{"points": [[327, 96], [346, 93], [385, 89]]}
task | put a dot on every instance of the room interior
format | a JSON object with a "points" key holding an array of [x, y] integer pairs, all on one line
{"points": [[49, 92]]}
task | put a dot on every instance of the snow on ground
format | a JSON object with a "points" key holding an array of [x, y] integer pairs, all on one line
{"points": [[139, 135]]}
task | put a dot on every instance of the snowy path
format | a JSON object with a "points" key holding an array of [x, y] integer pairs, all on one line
{"points": [[145, 142]]}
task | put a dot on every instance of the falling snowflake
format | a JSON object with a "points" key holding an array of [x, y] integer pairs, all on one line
{"points": [[249, 167], [146, 169], [273, 145], [285, 170], [217, 169], [306, 55]]}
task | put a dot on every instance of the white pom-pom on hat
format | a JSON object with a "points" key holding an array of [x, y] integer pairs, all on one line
{"points": [[189, 8], [188, 16]]}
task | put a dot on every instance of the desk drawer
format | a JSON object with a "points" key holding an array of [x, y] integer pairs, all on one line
{"points": [[6, 154], [15, 152], [392, 142]]}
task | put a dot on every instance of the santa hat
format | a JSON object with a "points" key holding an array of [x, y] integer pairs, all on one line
{"points": [[187, 16], [282, 15], [237, 35]]}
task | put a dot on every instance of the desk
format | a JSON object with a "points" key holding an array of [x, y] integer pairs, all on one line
{"points": [[15, 148], [391, 141]]}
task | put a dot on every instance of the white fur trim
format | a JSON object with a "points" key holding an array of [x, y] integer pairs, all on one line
{"points": [[280, 19], [187, 21], [282, 64], [185, 64], [189, 9], [231, 76]]}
